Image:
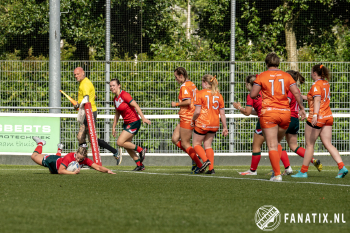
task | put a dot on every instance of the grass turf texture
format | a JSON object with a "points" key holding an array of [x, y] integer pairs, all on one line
{"points": [[165, 199]]}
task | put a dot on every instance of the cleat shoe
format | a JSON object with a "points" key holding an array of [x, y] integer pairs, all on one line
{"points": [[139, 168], [288, 171], [300, 175], [317, 163], [38, 140], [342, 172], [204, 166], [210, 171], [276, 178], [118, 156], [197, 171], [248, 173], [194, 165], [142, 154], [83, 145], [60, 146]]}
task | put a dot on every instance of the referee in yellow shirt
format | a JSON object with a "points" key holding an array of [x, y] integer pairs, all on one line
{"points": [[86, 88]]}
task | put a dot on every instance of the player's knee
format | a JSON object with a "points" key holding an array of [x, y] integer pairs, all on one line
{"points": [[34, 155], [120, 143]]}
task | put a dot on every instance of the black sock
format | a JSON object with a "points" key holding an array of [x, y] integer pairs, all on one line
{"points": [[105, 145]]}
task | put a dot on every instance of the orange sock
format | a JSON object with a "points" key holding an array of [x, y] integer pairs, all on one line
{"points": [[201, 152], [192, 153], [275, 162], [340, 165], [210, 155], [304, 169], [179, 145]]}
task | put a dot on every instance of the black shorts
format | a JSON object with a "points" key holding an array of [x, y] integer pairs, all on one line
{"points": [[315, 127], [50, 161], [133, 127], [293, 127], [258, 129], [214, 132], [95, 117]]}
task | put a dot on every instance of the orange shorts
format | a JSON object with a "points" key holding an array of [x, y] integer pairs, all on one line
{"points": [[272, 118], [186, 125], [322, 122], [202, 131]]}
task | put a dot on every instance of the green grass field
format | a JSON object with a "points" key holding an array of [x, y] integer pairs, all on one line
{"points": [[165, 199]]}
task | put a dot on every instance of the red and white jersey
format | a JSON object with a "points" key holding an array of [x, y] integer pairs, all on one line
{"points": [[70, 157], [122, 105], [294, 106], [255, 103], [210, 105], [187, 91]]}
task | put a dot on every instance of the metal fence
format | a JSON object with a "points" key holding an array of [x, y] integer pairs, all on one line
{"points": [[24, 88]]}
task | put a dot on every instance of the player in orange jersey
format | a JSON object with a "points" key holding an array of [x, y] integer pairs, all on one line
{"points": [[183, 131], [320, 121], [274, 85], [209, 105]]}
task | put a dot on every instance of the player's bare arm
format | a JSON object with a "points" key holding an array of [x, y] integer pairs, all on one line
{"points": [[101, 168], [62, 170], [183, 103], [138, 110]]}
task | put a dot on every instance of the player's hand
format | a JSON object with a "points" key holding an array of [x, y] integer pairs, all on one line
{"points": [[114, 133], [76, 106], [173, 104], [302, 114], [144, 120], [237, 105], [314, 120], [77, 171], [110, 172], [225, 132]]}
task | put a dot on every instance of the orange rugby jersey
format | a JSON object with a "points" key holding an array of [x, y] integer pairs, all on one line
{"points": [[187, 91], [211, 104], [275, 86], [320, 88]]}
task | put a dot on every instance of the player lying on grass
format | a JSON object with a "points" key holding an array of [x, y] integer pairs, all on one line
{"points": [[58, 164]]}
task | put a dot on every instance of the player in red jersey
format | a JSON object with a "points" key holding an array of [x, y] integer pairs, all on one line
{"points": [[58, 164], [320, 121], [274, 85], [183, 132], [125, 106], [206, 121], [258, 138]]}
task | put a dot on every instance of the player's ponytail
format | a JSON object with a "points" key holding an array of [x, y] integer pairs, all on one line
{"points": [[322, 71], [213, 82], [250, 80], [82, 151], [296, 76]]}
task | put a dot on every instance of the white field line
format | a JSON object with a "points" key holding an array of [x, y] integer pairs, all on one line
{"points": [[233, 178]]}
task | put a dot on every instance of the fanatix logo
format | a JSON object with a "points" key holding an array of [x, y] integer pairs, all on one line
{"points": [[267, 218]]}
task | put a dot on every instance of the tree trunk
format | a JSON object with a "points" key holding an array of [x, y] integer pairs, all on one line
{"points": [[291, 41], [291, 45], [188, 25]]}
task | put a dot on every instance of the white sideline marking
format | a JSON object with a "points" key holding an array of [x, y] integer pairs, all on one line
{"points": [[233, 178]]}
